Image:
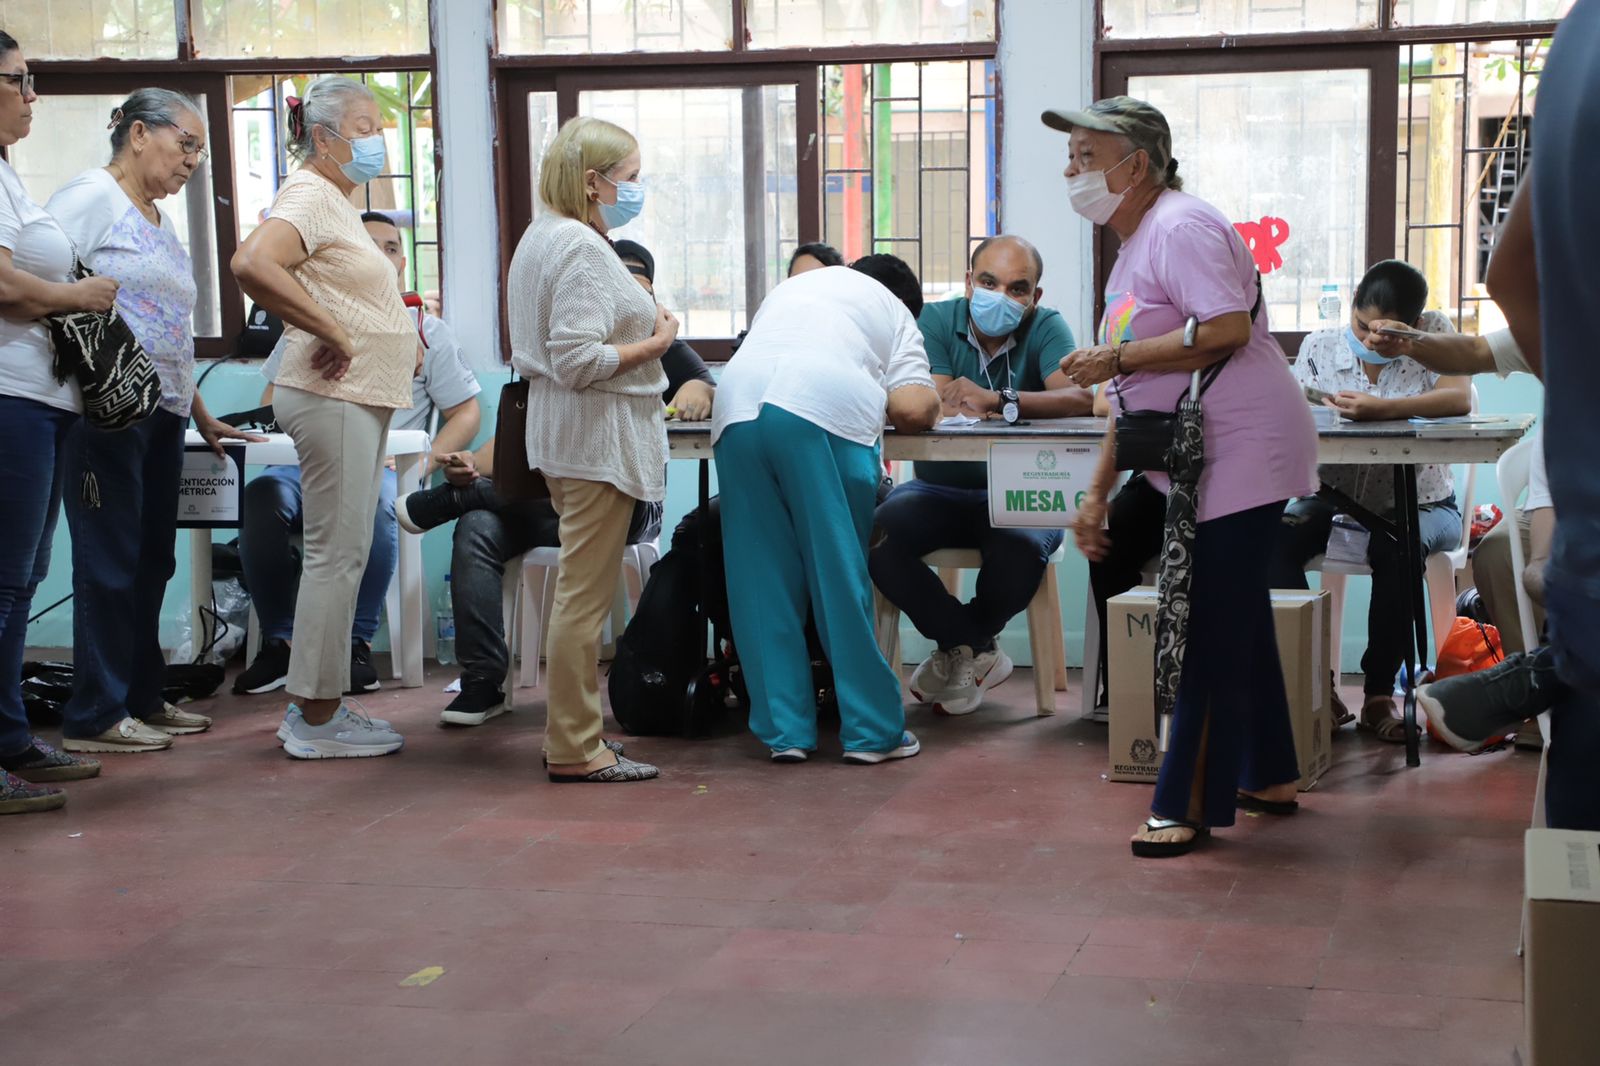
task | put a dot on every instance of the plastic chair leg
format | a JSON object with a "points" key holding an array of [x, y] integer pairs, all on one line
{"points": [[1041, 641], [1058, 635], [1335, 584]]}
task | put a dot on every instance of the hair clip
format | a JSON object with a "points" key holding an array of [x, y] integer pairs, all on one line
{"points": [[116, 118], [297, 122]]}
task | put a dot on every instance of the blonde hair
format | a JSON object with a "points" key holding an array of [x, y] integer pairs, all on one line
{"points": [[582, 145]]}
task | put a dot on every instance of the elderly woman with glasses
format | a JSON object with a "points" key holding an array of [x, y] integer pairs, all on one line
{"points": [[121, 487]]}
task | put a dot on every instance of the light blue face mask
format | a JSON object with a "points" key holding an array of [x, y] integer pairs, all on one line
{"points": [[630, 201], [994, 313], [1361, 352], [367, 157]]}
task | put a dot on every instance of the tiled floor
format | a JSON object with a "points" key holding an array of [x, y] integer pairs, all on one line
{"points": [[976, 905]]}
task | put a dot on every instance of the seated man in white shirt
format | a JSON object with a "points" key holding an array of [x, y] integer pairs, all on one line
{"points": [[271, 512], [796, 431], [1362, 385]]}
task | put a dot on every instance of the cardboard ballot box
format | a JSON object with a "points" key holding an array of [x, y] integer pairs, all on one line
{"points": [[1561, 876], [1302, 619]]}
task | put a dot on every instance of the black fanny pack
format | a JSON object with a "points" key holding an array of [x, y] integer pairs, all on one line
{"points": [[1144, 438]]}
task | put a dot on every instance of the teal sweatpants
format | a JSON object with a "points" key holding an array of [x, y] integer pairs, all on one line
{"points": [[797, 507]]}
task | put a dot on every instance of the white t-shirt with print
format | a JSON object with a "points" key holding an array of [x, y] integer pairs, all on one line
{"points": [[39, 246]]}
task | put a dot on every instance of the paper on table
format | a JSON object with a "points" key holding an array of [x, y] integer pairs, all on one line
{"points": [[1458, 420], [958, 421]]}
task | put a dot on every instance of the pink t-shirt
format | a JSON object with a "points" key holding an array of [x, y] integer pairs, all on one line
{"points": [[1186, 259]]}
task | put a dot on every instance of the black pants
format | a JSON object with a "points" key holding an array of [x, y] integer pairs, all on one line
{"points": [[1136, 519]]}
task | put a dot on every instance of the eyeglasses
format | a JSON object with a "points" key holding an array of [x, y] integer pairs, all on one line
{"points": [[189, 144], [23, 82]]}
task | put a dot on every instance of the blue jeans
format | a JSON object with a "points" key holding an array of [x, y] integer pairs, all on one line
{"points": [[33, 439], [796, 513], [271, 516], [122, 508], [920, 517], [1230, 728], [1306, 525]]}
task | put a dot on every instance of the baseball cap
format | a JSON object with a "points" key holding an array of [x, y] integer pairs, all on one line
{"points": [[1136, 120], [640, 254]]}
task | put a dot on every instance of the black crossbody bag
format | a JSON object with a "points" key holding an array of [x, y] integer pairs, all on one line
{"points": [[1144, 438]]}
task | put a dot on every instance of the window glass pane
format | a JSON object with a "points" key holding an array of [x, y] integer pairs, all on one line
{"points": [[93, 29], [1466, 126], [816, 23], [295, 28], [909, 164], [408, 190], [1443, 12], [1201, 18], [1284, 156], [544, 27], [542, 126], [58, 150], [720, 201]]}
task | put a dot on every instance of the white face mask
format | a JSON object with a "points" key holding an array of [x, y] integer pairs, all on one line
{"points": [[1090, 196]]}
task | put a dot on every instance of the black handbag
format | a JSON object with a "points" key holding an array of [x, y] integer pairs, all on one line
{"points": [[114, 372], [514, 481], [1144, 438]]}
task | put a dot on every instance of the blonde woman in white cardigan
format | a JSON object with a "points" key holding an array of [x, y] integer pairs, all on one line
{"points": [[589, 339]]}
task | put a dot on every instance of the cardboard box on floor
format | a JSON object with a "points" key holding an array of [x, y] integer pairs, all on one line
{"points": [[1560, 996], [1302, 619]]}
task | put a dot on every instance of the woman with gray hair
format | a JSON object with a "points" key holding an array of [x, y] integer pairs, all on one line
{"points": [[350, 352], [121, 486]]}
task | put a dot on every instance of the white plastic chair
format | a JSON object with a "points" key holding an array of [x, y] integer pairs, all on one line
{"points": [[1512, 474], [1439, 573], [528, 594], [1045, 637]]}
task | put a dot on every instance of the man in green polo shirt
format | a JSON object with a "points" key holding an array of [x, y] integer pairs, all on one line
{"points": [[995, 354]]}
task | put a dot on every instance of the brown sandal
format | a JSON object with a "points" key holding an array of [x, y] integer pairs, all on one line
{"points": [[1382, 723]]}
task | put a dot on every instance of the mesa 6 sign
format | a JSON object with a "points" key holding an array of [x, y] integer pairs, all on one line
{"points": [[1038, 485]]}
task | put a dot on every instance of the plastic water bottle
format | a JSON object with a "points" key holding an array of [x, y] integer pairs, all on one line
{"points": [[445, 621], [1329, 307]]}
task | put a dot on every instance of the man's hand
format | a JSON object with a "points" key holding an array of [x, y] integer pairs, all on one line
{"points": [[1389, 346], [967, 397], [693, 401], [1090, 366], [459, 467], [1359, 406], [214, 432]]}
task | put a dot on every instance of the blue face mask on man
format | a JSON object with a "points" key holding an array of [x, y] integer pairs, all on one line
{"points": [[630, 201], [367, 157], [994, 313], [1361, 352]]}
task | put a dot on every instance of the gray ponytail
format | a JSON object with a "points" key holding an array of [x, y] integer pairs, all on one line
{"points": [[153, 107], [326, 103]]}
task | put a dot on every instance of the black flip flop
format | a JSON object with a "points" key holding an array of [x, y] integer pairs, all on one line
{"points": [[1152, 849], [1255, 803]]}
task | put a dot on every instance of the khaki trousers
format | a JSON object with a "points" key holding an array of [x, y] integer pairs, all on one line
{"points": [[341, 447], [1497, 585], [594, 529]]}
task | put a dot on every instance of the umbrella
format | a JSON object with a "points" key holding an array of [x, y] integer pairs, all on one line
{"points": [[1185, 460]]}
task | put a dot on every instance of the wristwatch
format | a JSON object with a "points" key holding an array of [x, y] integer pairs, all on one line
{"points": [[1008, 405]]}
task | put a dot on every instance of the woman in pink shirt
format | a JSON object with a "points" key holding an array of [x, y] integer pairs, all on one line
{"points": [[1231, 744]]}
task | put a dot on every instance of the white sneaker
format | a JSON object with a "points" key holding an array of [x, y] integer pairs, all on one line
{"points": [[931, 678], [909, 746], [789, 755], [972, 676], [128, 735], [293, 715], [177, 723], [347, 735]]}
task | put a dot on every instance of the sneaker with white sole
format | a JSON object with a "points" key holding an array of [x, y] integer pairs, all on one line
{"points": [[347, 735], [475, 705], [909, 746], [129, 735], [931, 679], [293, 715], [176, 722], [789, 755], [973, 674], [269, 671]]}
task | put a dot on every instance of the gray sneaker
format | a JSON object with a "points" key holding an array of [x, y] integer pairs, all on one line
{"points": [[1470, 710], [347, 735], [293, 715]]}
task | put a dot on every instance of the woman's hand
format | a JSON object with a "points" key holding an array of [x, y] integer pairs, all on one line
{"points": [[1359, 406], [666, 329], [332, 359], [1088, 529], [214, 432], [693, 402], [1091, 366], [98, 293]]}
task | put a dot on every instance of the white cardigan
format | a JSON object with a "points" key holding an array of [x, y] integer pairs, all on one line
{"points": [[570, 303]]}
